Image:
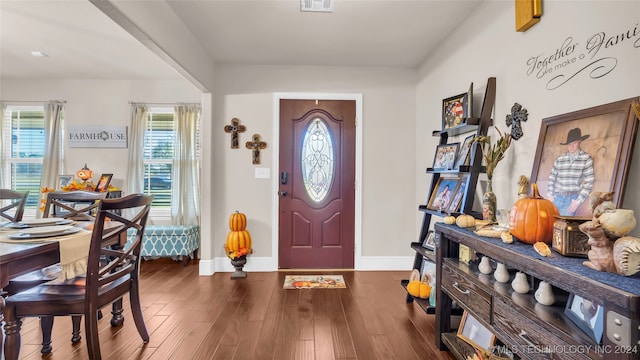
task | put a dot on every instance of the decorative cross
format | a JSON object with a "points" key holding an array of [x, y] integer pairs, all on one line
{"points": [[518, 115], [256, 145], [234, 129]]}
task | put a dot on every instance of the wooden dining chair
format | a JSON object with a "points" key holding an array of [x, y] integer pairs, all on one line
{"points": [[14, 210], [76, 205], [105, 282]]}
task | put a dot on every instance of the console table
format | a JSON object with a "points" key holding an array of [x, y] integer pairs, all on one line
{"points": [[528, 329]]}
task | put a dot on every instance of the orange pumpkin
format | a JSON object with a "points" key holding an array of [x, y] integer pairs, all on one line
{"points": [[237, 240], [237, 221], [531, 219]]}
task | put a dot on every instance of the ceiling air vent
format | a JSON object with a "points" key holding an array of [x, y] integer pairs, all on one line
{"points": [[316, 5]]}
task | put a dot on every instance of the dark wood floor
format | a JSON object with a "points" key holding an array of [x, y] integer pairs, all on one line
{"points": [[214, 317]]}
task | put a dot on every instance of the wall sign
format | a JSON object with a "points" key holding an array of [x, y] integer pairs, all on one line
{"points": [[97, 136], [591, 57]]}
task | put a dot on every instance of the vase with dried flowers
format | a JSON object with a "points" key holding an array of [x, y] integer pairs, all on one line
{"points": [[492, 154]]}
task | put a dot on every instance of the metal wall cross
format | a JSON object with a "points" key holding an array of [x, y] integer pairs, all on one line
{"points": [[234, 129], [256, 145]]}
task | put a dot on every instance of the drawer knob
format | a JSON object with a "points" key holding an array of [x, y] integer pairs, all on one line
{"points": [[457, 286], [617, 321], [617, 337]]}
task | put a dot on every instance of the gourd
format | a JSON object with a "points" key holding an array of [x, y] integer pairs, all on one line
{"points": [[449, 220], [237, 221], [465, 221], [532, 218]]}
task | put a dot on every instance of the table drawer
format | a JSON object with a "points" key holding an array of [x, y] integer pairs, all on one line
{"points": [[531, 341], [463, 288]]}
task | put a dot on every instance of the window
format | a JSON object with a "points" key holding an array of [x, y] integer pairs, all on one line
{"points": [[159, 140], [23, 149]]}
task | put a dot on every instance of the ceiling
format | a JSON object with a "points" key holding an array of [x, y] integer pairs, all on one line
{"points": [[84, 43]]}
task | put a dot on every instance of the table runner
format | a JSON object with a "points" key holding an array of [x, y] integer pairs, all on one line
{"points": [[74, 250]]}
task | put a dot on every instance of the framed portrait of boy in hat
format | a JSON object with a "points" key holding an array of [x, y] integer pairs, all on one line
{"points": [[583, 152]]}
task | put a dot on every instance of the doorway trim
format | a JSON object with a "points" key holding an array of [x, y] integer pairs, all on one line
{"points": [[357, 251]]}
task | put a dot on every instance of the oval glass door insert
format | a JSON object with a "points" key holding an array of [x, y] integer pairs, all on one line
{"points": [[317, 160]]}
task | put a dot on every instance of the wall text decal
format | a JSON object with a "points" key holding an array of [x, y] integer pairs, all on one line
{"points": [[573, 58]]}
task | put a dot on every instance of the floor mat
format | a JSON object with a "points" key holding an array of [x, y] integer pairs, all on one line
{"points": [[314, 282]]}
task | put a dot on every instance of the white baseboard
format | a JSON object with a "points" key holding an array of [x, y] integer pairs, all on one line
{"points": [[267, 264]]}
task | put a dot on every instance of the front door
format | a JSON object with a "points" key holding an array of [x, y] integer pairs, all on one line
{"points": [[317, 184]]}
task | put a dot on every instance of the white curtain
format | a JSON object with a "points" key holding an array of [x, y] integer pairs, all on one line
{"points": [[3, 107], [52, 161], [185, 207], [135, 175]]}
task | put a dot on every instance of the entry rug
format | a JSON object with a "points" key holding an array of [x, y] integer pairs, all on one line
{"points": [[314, 282]]}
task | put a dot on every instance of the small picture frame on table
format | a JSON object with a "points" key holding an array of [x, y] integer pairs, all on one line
{"points": [[475, 334], [64, 180], [455, 110], [103, 183], [443, 193], [429, 242], [445, 156], [588, 315]]}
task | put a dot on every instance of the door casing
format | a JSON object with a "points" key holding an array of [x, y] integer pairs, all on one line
{"points": [[357, 261]]}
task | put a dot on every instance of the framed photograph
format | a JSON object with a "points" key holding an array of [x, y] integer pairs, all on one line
{"points": [[458, 195], [588, 315], [103, 183], [455, 110], [428, 271], [429, 241], [442, 193], [463, 153], [600, 141], [474, 333], [445, 156], [64, 180]]}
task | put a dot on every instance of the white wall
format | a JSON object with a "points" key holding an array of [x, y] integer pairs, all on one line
{"points": [[487, 45], [246, 92]]}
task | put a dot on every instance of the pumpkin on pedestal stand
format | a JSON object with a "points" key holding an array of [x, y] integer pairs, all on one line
{"points": [[238, 244]]}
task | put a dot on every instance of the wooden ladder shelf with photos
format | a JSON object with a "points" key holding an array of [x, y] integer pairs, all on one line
{"points": [[465, 177]]}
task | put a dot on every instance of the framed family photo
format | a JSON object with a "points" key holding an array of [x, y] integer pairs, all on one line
{"points": [[594, 143], [455, 110], [443, 193], [474, 333], [588, 315], [445, 156], [429, 242], [456, 200], [463, 152]]}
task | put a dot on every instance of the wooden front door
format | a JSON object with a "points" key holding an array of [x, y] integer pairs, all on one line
{"points": [[317, 184]]}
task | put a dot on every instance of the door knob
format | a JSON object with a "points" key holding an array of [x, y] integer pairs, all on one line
{"points": [[283, 193]]}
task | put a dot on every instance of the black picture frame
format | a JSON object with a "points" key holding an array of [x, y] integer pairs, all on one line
{"points": [[445, 157], [429, 242], [611, 130], [103, 183], [463, 151], [588, 315], [458, 195], [455, 110]]}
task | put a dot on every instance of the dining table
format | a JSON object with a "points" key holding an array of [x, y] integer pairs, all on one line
{"points": [[22, 256]]}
